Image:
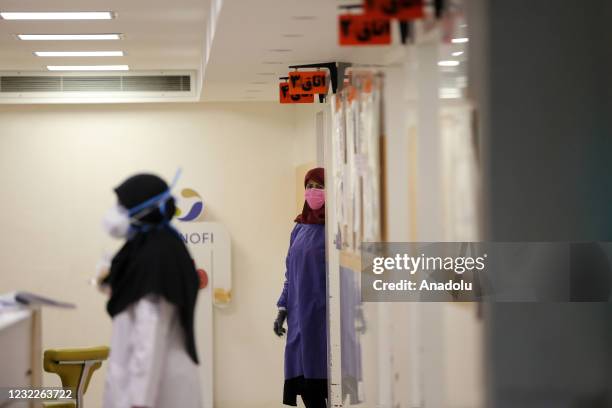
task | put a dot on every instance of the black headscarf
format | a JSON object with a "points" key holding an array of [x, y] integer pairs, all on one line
{"points": [[154, 260]]}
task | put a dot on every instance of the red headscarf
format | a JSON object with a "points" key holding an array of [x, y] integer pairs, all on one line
{"points": [[308, 215]]}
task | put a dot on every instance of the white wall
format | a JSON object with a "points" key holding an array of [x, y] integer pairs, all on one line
{"points": [[58, 165], [305, 146]]}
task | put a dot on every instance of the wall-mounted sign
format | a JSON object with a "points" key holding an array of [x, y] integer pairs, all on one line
{"points": [[286, 97], [308, 83], [399, 9], [363, 29], [209, 244]]}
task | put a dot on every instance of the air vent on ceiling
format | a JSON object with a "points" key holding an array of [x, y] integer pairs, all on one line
{"points": [[124, 83], [30, 84]]}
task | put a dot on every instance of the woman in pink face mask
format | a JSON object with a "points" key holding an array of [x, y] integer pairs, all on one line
{"points": [[303, 301]]}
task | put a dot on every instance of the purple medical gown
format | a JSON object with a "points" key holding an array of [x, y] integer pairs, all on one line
{"points": [[304, 296]]}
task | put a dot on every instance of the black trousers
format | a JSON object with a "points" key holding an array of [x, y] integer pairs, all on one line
{"points": [[314, 401], [312, 391]]}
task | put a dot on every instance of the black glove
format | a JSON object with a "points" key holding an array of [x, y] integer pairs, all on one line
{"points": [[278, 323]]}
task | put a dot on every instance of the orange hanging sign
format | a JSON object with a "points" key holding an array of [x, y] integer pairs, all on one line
{"points": [[308, 83], [363, 29], [399, 9], [286, 97]]}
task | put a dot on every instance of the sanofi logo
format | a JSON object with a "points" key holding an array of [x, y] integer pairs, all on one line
{"points": [[193, 201], [190, 210]]}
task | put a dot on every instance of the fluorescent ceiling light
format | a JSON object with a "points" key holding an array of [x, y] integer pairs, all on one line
{"points": [[79, 53], [448, 63], [457, 54], [460, 40], [88, 67], [67, 37], [77, 15], [450, 93]]}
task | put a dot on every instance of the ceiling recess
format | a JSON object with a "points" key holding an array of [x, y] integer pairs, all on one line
{"points": [[154, 83], [103, 88]]}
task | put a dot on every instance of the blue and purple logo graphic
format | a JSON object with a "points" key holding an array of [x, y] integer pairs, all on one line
{"points": [[191, 199]]}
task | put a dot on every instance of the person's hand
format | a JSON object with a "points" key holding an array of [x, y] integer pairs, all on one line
{"points": [[102, 270], [279, 330]]}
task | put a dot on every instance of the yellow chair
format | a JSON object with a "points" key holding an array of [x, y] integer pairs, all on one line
{"points": [[75, 368]]}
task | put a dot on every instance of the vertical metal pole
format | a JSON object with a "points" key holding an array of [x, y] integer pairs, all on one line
{"points": [[334, 351]]}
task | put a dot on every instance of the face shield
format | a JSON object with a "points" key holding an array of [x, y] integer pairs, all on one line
{"points": [[119, 222]]}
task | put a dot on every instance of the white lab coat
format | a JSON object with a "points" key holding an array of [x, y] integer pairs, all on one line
{"points": [[148, 364]]}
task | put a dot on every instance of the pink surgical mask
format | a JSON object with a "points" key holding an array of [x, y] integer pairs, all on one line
{"points": [[315, 197]]}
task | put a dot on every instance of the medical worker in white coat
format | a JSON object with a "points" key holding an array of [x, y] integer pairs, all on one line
{"points": [[153, 288]]}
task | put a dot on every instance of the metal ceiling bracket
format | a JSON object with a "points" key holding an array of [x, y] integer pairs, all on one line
{"points": [[406, 31], [337, 72]]}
